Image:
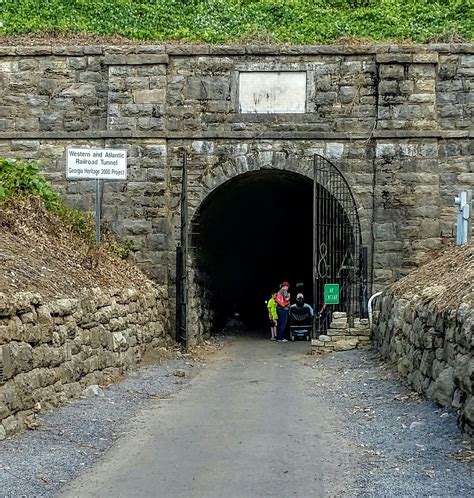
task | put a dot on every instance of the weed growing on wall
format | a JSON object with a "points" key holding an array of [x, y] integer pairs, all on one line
{"points": [[288, 21]]}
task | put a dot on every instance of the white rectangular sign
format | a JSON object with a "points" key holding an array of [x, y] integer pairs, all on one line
{"points": [[270, 92], [92, 164]]}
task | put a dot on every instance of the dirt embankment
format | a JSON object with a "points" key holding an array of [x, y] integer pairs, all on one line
{"points": [[38, 253], [445, 281]]}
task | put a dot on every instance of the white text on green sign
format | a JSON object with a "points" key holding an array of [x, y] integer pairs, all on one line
{"points": [[331, 293]]}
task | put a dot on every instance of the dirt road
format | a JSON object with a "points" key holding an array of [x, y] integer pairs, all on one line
{"points": [[245, 427]]}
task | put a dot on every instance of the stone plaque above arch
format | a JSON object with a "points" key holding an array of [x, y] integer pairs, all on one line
{"points": [[269, 92]]}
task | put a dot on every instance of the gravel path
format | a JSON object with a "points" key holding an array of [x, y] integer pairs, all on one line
{"points": [[407, 444], [72, 438], [245, 428], [385, 440]]}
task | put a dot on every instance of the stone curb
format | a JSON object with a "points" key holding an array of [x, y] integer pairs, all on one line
{"points": [[390, 50]]}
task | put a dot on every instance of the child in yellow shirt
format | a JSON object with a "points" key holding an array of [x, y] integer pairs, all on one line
{"points": [[273, 316]]}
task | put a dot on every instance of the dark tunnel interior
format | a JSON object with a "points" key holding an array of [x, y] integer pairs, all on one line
{"points": [[254, 232]]}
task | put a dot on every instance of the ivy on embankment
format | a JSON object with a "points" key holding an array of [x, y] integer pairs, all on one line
{"points": [[213, 21], [20, 179]]}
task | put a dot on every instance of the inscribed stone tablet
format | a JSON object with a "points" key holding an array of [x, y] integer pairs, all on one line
{"points": [[272, 92]]}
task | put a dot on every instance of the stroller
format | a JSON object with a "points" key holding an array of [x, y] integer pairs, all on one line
{"points": [[301, 322]]}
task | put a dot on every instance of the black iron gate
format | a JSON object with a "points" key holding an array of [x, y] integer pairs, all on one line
{"points": [[338, 256], [181, 262]]}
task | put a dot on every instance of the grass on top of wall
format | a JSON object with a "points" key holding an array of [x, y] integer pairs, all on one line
{"points": [[214, 21]]}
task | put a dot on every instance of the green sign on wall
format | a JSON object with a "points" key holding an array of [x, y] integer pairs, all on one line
{"points": [[331, 293]]}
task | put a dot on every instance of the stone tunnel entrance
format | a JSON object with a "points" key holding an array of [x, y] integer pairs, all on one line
{"points": [[254, 232], [259, 228]]}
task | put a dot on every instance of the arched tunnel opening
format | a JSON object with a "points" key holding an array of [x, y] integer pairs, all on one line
{"points": [[255, 231]]}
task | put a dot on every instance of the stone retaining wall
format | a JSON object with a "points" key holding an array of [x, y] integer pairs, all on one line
{"points": [[51, 351], [432, 350], [341, 337]]}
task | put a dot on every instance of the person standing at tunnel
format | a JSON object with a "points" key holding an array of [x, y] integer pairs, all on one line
{"points": [[283, 305], [273, 316]]}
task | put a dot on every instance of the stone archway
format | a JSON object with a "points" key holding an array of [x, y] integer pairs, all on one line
{"points": [[224, 175], [227, 168]]}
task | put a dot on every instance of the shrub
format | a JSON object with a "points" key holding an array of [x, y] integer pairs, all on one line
{"points": [[23, 177]]}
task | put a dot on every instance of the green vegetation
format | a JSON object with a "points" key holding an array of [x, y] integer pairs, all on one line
{"points": [[288, 21], [22, 178]]}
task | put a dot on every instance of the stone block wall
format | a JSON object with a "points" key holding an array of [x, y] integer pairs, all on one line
{"points": [[396, 120], [341, 93], [45, 93], [454, 95], [407, 91], [137, 92], [50, 351], [432, 350], [341, 337], [201, 315]]}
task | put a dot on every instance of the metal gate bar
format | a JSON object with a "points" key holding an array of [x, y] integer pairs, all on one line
{"points": [[337, 255], [182, 261]]}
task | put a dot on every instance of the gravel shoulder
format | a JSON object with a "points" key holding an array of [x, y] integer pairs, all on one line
{"points": [[73, 437], [408, 446]]}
